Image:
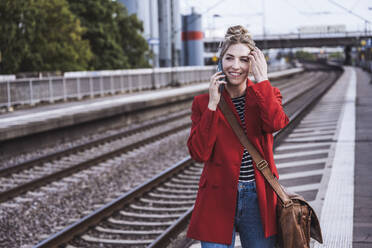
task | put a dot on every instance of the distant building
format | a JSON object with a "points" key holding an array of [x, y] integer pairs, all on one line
{"points": [[322, 29]]}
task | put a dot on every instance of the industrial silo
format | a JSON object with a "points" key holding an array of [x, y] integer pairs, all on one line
{"points": [[192, 40]]}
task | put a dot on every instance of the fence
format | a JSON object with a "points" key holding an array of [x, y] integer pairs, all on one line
{"points": [[91, 84]]}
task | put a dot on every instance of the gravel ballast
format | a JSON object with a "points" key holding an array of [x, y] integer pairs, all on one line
{"points": [[33, 221]]}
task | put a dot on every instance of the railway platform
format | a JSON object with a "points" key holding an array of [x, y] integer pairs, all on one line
{"points": [[362, 221], [44, 118], [343, 197]]}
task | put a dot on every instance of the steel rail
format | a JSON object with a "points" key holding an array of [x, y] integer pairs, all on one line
{"points": [[58, 154], [5, 195], [94, 218]]}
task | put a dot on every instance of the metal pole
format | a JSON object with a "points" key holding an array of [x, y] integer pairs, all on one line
{"points": [[78, 88], [153, 83], [173, 52], [130, 82], [139, 82], [263, 25], [365, 27], [152, 47], [91, 87], [101, 85], [64, 89], [185, 42], [31, 93], [112, 84], [122, 83], [50, 90], [9, 96]]}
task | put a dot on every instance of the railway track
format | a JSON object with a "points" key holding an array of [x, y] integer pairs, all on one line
{"points": [[154, 212], [33, 174]]}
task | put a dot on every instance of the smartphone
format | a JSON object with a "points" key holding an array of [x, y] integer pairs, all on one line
{"points": [[219, 68]]}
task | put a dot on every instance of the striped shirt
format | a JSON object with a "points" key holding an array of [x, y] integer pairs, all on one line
{"points": [[246, 168]]}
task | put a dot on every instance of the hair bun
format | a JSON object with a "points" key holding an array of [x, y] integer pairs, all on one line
{"points": [[236, 30]]}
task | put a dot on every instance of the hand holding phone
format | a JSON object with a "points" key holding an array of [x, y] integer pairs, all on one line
{"points": [[217, 80], [219, 69]]}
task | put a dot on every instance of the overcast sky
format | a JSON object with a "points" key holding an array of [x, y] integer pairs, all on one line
{"points": [[281, 16]]}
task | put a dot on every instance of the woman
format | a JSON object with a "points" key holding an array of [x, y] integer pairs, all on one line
{"points": [[233, 195]]}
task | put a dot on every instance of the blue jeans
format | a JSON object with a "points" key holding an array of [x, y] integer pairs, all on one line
{"points": [[247, 221]]}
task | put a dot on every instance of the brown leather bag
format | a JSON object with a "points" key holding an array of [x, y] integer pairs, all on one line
{"points": [[296, 219]]}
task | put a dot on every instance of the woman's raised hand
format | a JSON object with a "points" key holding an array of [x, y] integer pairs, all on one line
{"points": [[214, 94], [259, 65]]}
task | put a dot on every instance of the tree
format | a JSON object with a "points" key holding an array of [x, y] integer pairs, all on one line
{"points": [[57, 39], [44, 36], [12, 42], [114, 35], [66, 35], [302, 55]]}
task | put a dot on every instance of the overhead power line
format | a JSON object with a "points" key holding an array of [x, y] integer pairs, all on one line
{"points": [[366, 22], [349, 11]]}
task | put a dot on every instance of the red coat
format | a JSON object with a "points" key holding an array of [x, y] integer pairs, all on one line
{"points": [[213, 142]]}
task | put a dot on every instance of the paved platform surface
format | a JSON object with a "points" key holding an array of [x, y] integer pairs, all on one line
{"points": [[344, 202], [43, 118], [362, 231]]}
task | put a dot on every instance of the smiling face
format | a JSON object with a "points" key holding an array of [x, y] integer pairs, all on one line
{"points": [[236, 63]]}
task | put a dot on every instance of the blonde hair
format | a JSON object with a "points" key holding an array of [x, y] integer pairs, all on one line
{"points": [[234, 35]]}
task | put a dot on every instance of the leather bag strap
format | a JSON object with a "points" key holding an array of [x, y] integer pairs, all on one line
{"points": [[261, 164]]}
